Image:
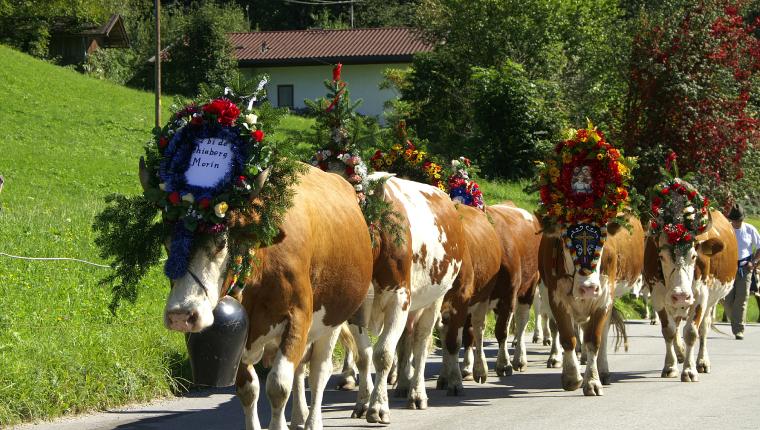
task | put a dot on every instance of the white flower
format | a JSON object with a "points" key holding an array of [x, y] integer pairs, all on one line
{"points": [[189, 197], [162, 186], [220, 209], [251, 118], [688, 209], [358, 187], [455, 163]]}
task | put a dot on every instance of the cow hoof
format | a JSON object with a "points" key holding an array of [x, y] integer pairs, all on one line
{"points": [[689, 376], [583, 359], [346, 383], [553, 363], [419, 404], [375, 416], [455, 390], [536, 339], [605, 378], [703, 367], [504, 370], [480, 375], [653, 322], [392, 378], [519, 365], [467, 375], [360, 409], [669, 372], [571, 383], [593, 388], [441, 383], [547, 342], [401, 392]]}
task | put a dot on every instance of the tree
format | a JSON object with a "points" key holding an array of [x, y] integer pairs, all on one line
{"points": [[694, 69]]}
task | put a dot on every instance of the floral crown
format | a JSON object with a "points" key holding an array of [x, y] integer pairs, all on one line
{"points": [[463, 189], [678, 210], [585, 179], [208, 159]]}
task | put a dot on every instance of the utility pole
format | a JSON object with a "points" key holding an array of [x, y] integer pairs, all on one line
{"points": [[157, 63], [352, 13]]}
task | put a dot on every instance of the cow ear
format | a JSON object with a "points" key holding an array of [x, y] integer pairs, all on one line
{"points": [[711, 246], [613, 228], [549, 229]]}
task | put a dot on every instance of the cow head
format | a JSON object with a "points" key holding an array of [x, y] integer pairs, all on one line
{"points": [[679, 266], [584, 254], [195, 293]]}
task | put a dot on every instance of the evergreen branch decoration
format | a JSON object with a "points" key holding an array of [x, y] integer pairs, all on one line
{"points": [[128, 234], [380, 215]]}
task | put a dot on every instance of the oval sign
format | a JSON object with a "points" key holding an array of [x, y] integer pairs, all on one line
{"points": [[210, 162]]}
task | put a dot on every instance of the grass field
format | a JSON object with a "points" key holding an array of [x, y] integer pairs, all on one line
{"points": [[67, 141]]}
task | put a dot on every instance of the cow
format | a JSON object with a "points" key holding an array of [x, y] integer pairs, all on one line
{"points": [[474, 290], [519, 235], [587, 298], [304, 286], [409, 282], [687, 288]]}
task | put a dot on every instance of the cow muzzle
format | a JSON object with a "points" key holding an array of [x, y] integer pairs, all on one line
{"points": [[681, 298], [588, 290], [185, 321]]}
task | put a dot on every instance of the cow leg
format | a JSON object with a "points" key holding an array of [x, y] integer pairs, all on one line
{"points": [[363, 354], [347, 380], [538, 327], [396, 314], [592, 385], [320, 370], [678, 343], [668, 325], [553, 360], [468, 341], [422, 331], [703, 359], [299, 409], [602, 361], [689, 372], [520, 360], [450, 377], [579, 345], [503, 320], [290, 353], [571, 375], [546, 316], [248, 389], [480, 369], [393, 373], [547, 331], [404, 359]]}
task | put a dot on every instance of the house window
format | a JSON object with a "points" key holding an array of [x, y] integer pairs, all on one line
{"points": [[285, 96]]}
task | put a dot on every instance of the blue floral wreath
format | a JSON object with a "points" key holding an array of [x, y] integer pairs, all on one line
{"points": [[172, 169]]}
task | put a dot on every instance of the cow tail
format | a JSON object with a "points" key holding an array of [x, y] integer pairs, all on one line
{"points": [[617, 322], [347, 340]]}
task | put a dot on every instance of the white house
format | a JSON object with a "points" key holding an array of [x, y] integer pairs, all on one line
{"points": [[299, 61]]}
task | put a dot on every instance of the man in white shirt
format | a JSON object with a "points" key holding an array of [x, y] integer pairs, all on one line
{"points": [[748, 239]]}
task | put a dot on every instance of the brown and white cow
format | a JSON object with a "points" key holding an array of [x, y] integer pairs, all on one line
{"points": [[519, 235], [307, 284], [409, 283], [587, 299], [473, 287], [687, 288]]}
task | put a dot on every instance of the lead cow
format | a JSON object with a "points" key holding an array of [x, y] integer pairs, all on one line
{"points": [[306, 285], [686, 288], [587, 299]]}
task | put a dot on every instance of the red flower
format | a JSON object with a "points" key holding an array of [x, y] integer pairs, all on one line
{"points": [[204, 203], [336, 72], [665, 191], [174, 198], [669, 161], [692, 195], [653, 224], [225, 111], [582, 133], [162, 142], [196, 120], [656, 202], [350, 170], [257, 135], [687, 237]]}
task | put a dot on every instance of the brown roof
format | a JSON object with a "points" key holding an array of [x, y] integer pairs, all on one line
{"points": [[360, 45]]}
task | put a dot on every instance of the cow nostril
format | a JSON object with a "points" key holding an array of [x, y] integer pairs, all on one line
{"points": [[193, 318]]}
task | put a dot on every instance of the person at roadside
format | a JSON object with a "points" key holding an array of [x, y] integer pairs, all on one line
{"points": [[748, 239]]}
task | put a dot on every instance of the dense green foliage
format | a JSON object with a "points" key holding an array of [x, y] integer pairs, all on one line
{"points": [[571, 54]]}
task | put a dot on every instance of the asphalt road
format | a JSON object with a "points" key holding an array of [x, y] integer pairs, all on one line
{"points": [[637, 399]]}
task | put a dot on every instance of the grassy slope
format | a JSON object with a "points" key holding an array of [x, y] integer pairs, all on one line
{"points": [[67, 141]]}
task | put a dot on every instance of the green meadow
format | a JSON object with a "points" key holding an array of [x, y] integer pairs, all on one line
{"points": [[67, 142]]}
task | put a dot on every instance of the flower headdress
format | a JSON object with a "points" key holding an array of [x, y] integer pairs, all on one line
{"points": [[408, 161], [678, 210], [584, 184], [462, 189]]}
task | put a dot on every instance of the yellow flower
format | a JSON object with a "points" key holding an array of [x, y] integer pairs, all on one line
{"points": [[552, 163], [567, 158], [557, 208], [553, 172], [594, 135], [599, 156], [220, 209], [623, 170], [396, 147]]}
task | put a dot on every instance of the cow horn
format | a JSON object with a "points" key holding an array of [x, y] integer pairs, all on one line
{"points": [[144, 175], [261, 178]]}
